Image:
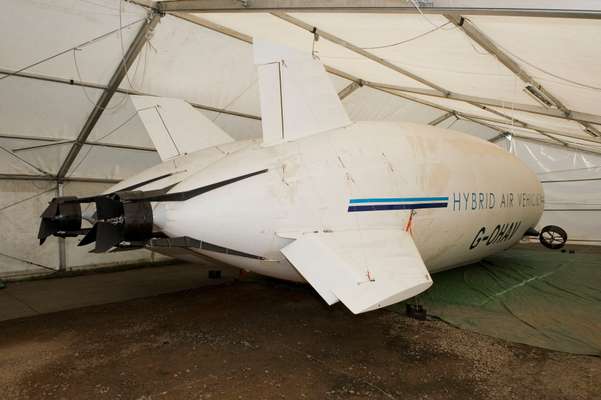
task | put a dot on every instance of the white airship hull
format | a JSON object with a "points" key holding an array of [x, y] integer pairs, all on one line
{"points": [[362, 211], [469, 198]]}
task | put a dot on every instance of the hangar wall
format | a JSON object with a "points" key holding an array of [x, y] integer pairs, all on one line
{"points": [[42, 113], [572, 188]]}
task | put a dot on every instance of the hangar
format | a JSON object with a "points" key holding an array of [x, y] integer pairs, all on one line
{"points": [[522, 75]]}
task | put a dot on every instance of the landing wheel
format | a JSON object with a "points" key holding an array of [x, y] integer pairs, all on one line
{"points": [[416, 311], [553, 237]]}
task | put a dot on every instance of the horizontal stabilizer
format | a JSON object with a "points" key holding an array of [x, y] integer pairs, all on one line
{"points": [[297, 96], [365, 269], [175, 127]]}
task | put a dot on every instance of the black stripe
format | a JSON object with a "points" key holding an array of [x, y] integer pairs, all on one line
{"points": [[183, 196], [188, 242], [384, 207], [137, 185]]}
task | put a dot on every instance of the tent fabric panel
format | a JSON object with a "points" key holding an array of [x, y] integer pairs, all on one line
{"points": [[470, 128], [237, 127], [38, 108], [31, 107], [567, 126], [567, 48], [21, 204], [460, 65], [531, 134], [551, 164], [120, 124], [15, 163], [455, 105], [42, 29], [269, 27], [113, 163], [190, 62], [367, 104]]}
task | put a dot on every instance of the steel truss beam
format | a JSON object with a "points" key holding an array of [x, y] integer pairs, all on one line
{"points": [[56, 141], [53, 178], [99, 144], [543, 131], [107, 94], [532, 109], [551, 112], [441, 119], [122, 91], [350, 88], [505, 134], [547, 9], [343, 43], [487, 44]]}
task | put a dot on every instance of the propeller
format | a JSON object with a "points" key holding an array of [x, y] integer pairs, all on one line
{"points": [[62, 218], [123, 219], [118, 222], [108, 235]]}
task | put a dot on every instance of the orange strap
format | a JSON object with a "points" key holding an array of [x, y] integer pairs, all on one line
{"points": [[409, 226]]}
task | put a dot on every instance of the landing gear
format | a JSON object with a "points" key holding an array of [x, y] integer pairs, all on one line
{"points": [[416, 311], [553, 237]]}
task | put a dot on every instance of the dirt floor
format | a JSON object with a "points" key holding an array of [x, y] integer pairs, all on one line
{"points": [[270, 340]]}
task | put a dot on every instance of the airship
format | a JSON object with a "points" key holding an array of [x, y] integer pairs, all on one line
{"points": [[364, 212]]}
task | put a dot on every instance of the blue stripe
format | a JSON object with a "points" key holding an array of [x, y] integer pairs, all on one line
{"points": [[397, 199], [383, 207]]}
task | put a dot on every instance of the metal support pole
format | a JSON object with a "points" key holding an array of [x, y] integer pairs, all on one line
{"points": [[62, 251], [350, 88], [52, 178], [107, 94], [552, 9], [72, 82], [441, 119], [356, 49]]}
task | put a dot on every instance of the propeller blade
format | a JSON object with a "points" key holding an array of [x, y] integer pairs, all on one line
{"points": [[46, 229], [89, 237], [107, 236], [51, 210], [108, 208]]}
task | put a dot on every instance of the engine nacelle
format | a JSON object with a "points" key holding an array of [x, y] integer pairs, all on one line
{"points": [[61, 218]]}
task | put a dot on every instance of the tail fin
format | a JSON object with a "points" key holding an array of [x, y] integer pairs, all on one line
{"points": [[365, 269], [175, 127], [297, 96]]}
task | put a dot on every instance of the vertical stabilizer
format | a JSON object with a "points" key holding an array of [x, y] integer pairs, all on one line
{"points": [[297, 96], [175, 127]]}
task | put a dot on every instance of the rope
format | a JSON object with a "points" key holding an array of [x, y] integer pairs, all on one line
{"points": [[406, 40], [24, 161], [28, 198], [107, 135], [79, 46], [28, 262]]}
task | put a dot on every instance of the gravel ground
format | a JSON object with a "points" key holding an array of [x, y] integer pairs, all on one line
{"points": [[271, 340]]}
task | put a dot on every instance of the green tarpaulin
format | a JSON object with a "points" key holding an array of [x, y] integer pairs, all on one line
{"points": [[539, 297]]}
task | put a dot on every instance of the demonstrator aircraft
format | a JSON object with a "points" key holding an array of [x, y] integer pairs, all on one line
{"points": [[363, 211]]}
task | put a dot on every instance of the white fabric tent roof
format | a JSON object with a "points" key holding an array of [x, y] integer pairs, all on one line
{"points": [[463, 64]]}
